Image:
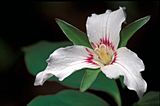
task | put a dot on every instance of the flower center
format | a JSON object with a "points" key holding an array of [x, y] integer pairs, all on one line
{"points": [[104, 54]]}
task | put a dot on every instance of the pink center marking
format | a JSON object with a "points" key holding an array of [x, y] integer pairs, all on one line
{"points": [[107, 43], [104, 41]]}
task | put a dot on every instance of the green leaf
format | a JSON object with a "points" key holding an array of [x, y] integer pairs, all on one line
{"points": [[105, 84], [91, 76], [130, 29], [74, 80], [68, 98], [101, 83], [74, 34], [36, 55], [88, 78], [150, 99]]}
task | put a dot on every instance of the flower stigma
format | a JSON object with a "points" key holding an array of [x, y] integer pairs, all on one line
{"points": [[103, 54]]}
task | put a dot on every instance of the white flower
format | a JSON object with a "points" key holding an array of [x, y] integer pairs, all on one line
{"points": [[104, 34]]}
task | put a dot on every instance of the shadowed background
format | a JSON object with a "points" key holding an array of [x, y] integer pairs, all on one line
{"points": [[23, 24]]}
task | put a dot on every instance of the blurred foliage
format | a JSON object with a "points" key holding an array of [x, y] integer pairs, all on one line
{"points": [[37, 54], [68, 98], [151, 98]]}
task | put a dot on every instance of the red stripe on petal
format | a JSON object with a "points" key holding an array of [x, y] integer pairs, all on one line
{"points": [[114, 58], [107, 42], [104, 41], [93, 45], [90, 57]]}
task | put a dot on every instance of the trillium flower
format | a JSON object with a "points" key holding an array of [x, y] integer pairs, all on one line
{"points": [[103, 32]]}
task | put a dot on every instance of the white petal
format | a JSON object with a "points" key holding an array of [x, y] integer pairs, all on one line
{"points": [[129, 65], [105, 26], [65, 61]]}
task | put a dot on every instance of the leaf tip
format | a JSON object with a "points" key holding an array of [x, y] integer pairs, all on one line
{"points": [[57, 20], [148, 17]]}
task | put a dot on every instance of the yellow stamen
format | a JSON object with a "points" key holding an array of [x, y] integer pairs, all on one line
{"points": [[103, 55]]}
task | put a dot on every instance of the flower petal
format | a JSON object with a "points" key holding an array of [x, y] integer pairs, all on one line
{"points": [[105, 27], [129, 65], [65, 61]]}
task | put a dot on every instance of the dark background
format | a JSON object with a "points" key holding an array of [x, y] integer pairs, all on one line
{"points": [[23, 24]]}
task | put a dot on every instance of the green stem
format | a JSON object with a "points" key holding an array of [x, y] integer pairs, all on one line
{"points": [[120, 91]]}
